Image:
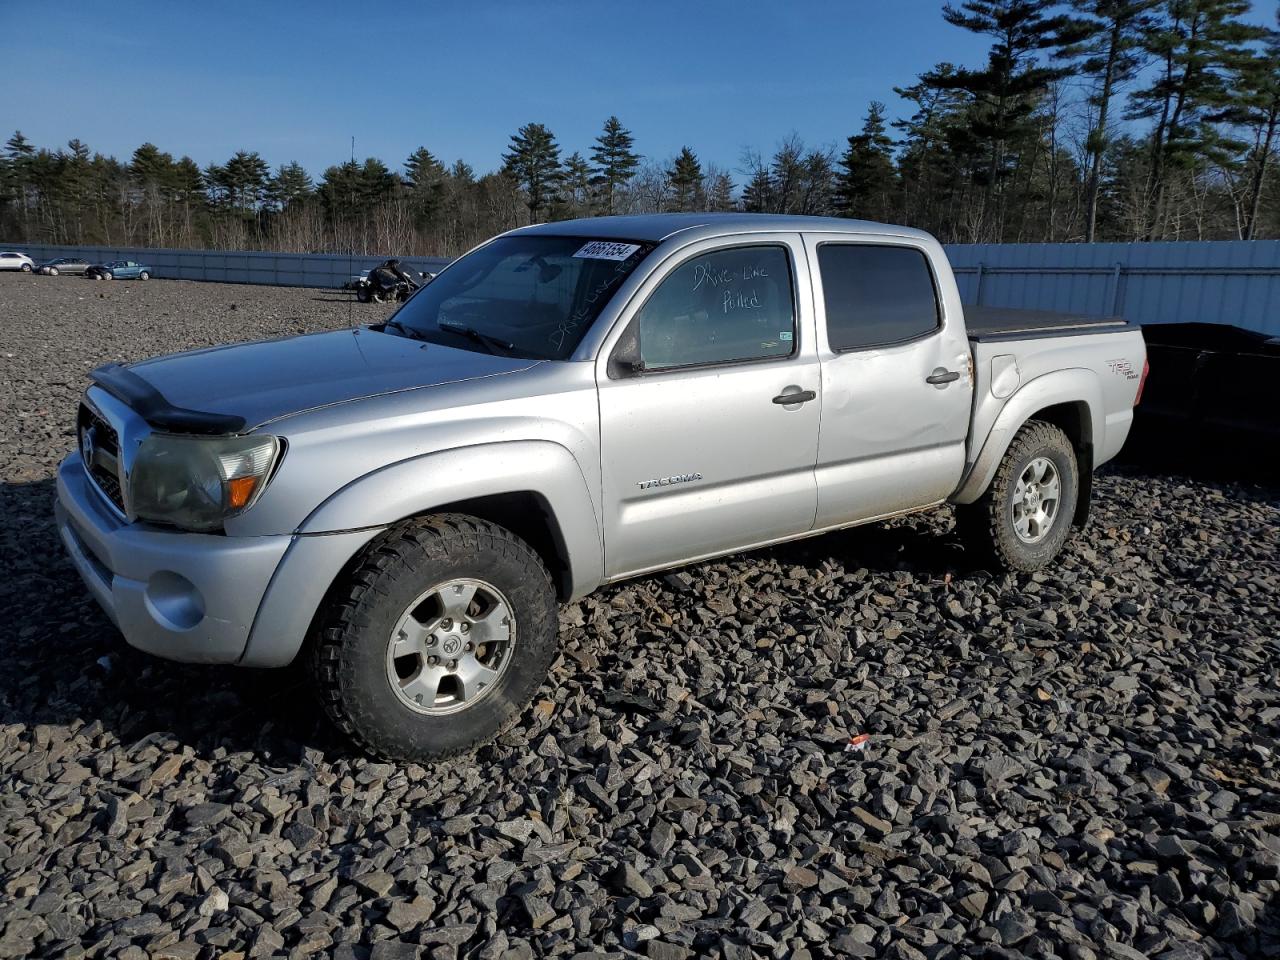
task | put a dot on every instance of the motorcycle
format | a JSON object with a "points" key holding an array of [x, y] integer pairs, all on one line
{"points": [[388, 282]]}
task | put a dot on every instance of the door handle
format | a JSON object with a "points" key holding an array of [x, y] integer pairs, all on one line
{"points": [[941, 376], [800, 396]]}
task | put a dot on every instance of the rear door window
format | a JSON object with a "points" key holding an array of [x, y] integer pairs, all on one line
{"points": [[729, 305], [876, 295]]}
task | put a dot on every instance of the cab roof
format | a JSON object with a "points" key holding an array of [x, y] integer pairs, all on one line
{"points": [[657, 227]]}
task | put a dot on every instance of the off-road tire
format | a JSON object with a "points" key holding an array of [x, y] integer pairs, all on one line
{"points": [[987, 525], [349, 647]]}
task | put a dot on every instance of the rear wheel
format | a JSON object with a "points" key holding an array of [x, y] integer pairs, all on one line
{"points": [[26, 268], [144, 275], [1023, 520], [438, 640], [362, 294]]}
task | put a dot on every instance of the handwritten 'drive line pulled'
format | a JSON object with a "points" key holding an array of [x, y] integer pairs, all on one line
{"points": [[722, 276]]}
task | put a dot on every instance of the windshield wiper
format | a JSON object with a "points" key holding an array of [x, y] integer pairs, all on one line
{"points": [[486, 340], [409, 332]]}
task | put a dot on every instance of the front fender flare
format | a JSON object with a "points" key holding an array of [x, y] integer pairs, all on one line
{"points": [[349, 519], [420, 484], [1076, 385]]}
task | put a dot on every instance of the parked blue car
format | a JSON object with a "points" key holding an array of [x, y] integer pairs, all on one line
{"points": [[119, 270]]}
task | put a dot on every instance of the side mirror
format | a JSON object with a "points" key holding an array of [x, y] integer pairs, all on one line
{"points": [[626, 360]]}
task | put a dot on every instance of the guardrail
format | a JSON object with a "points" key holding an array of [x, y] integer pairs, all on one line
{"points": [[327, 270], [1228, 282]]}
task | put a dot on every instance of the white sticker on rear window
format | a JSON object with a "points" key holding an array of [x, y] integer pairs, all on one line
{"points": [[604, 250]]}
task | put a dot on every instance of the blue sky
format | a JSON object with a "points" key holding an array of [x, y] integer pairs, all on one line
{"points": [[296, 80]]}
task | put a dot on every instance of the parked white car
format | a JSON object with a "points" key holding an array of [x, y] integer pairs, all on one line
{"points": [[11, 260]]}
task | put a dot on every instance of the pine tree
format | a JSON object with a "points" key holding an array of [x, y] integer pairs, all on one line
{"points": [[615, 162], [786, 176], [424, 175], [20, 156], [1104, 45], [291, 184], [245, 176], [576, 186], [718, 186], [867, 180], [1006, 90], [533, 160], [1198, 44], [685, 178], [758, 196], [150, 167], [938, 153], [1256, 82]]}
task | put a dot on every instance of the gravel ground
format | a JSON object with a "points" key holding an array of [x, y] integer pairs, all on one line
{"points": [[1079, 763]]}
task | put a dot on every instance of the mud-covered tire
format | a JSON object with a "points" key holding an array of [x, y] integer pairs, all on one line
{"points": [[988, 526], [349, 649]]}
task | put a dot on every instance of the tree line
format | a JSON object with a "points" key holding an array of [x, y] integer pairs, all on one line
{"points": [[1089, 120]]}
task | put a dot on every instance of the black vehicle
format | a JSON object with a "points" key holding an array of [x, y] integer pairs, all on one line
{"points": [[389, 281], [60, 265]]}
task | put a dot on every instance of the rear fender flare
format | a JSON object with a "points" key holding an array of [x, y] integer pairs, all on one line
{"points": [[1076, 385]]}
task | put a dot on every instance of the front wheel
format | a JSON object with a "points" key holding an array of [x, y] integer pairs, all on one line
{"points": [[144, 275], [1023, 520], [438, 639], [108, 276], [363, 295]]}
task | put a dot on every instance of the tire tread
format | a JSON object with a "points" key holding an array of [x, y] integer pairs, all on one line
{"points": [[982, 524], [419, 539]]}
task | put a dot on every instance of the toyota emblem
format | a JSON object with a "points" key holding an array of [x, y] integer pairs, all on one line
{"points": [[86, 447]]}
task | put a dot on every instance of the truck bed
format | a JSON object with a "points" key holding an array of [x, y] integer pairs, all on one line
{"points": [[1004, 323]]}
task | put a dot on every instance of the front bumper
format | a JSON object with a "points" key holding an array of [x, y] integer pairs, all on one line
{"points": [[182, 596]]}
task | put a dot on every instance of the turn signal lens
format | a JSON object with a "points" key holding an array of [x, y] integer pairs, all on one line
{"points": [[240, 491]]}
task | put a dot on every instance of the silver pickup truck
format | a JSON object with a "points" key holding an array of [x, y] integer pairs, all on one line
{"points": [[566, 406]]}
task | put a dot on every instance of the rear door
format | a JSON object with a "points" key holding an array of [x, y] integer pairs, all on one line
{"points": [[896, 382], [709, 406]]}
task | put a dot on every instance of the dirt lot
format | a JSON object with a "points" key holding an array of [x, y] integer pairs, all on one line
{"points": [[1080, 763]]}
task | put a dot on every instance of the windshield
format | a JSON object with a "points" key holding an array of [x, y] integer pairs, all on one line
{"points": [[526, 296]]}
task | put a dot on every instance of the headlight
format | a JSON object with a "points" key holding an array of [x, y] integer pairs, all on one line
{"points": [[198, 482]]}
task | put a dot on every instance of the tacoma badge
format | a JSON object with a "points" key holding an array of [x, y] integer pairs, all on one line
{"points": [[667, 481]]}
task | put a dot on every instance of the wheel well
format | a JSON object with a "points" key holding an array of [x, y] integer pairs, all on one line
{"points": [[529, 517], [1073, 419]]}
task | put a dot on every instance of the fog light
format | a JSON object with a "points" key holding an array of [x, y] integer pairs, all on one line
{"points": [[174, 601]]}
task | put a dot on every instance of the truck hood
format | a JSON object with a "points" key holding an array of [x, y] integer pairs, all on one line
{"points": [[249, 384]]}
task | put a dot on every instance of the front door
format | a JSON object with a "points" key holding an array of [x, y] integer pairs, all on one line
{"points": [[709, 425]]}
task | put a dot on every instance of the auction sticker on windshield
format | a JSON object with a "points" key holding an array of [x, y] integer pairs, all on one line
{"points": [[604, 250]]}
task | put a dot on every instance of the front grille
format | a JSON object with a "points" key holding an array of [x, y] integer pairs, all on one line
{"points": [[103, 470], [108, 485]]}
